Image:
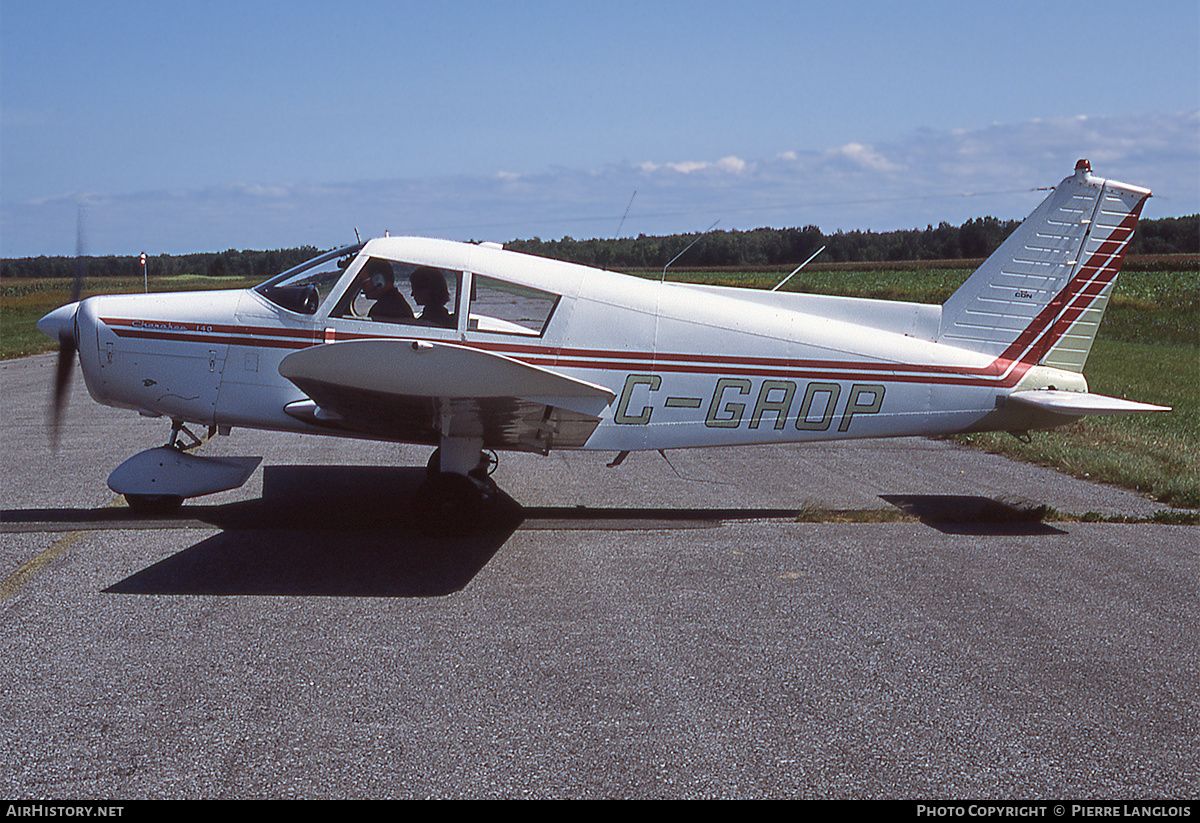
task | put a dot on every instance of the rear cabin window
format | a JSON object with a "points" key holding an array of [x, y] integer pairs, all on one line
{"points": [[507, 308]]}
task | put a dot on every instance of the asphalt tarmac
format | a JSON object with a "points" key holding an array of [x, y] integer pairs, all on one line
{"points": [[669, 627]]}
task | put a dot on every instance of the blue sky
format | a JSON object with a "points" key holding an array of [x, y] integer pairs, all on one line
{"points": [[213, 125]]}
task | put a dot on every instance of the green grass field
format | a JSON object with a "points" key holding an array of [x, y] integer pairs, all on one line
{"points": [[1148, 349], [24, 301]]}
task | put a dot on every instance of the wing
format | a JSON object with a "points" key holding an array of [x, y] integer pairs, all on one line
{"points": [[419, 391]]}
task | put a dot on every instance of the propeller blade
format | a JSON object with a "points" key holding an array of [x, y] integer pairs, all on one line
{"points": [[66, 335], [62, 384], [80, 245]]}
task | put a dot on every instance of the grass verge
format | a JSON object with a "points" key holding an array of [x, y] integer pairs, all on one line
{"points": [[1156, 454]]}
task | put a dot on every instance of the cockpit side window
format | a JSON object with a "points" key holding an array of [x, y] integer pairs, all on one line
{"points": [[378, 294], [508, 308]]}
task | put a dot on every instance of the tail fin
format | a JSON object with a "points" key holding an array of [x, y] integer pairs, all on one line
{"points": [[1040, 296]]}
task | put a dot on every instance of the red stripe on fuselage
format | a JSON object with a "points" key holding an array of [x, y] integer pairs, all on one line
{"points": [[1029, 347]]}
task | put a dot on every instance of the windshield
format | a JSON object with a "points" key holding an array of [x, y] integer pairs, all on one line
{"points": [[302, 288]]}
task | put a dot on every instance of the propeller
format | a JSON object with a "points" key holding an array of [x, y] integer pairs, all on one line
{"points": [[67, 344]]}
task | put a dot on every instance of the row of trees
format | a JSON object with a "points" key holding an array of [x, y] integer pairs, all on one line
{"points": [[258, 265], [779, 247], [974, 239], [757, 247]]}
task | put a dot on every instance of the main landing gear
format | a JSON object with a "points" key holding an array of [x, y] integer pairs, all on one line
{"points": [[455, 499], [458, 488]]}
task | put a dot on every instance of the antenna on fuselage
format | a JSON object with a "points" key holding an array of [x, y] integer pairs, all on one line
{"points": [[689, 245], [623, 216], [802, 265]]}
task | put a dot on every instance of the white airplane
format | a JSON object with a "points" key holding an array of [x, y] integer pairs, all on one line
{"points": [[513, 352]]}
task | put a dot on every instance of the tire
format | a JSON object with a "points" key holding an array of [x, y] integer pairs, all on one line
{"points": [[154, 504], [448, 505], [481, 472]]}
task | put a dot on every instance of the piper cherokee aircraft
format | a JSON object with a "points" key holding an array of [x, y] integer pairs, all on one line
{"points": [[510, 352]]}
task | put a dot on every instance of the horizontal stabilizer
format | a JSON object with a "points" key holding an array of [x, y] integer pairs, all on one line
{"points": [[1079, 404]]}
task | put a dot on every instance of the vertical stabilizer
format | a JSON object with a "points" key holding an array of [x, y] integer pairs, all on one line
{"points": [[1039, 298]]}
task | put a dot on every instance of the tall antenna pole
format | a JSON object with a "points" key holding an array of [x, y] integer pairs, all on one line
{"points": [[626, 214], [802, 265], [689, 245]]}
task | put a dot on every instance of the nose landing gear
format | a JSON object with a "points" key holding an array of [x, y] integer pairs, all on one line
{"points": [[157, 481]]}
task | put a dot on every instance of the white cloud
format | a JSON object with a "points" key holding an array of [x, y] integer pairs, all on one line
{"points": [[688, 166], [732, 164], [864, 156], [912, 181]]}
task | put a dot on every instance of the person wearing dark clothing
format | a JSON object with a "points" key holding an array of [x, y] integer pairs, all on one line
{"points": [[429, 290], [378, 283]]}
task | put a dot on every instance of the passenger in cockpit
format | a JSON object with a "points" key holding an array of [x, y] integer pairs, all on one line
{"points": [[429, 290], [378, 282]]}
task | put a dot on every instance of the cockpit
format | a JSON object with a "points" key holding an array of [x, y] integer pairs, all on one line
{"points": [[359, 287], [378, 293]]}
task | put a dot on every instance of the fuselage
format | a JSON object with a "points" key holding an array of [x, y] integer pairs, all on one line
{"points": [[688, 366]]}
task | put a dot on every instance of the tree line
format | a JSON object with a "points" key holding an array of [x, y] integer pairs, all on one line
{"points": [[973, 239], [259, 265]]}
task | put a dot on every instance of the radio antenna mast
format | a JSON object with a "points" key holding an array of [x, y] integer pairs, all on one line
{"points": [[623, 216], [802, 265], [689, 245]]}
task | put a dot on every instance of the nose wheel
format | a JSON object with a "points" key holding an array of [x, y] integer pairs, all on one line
{"points": [[157, 481], [154, 504]]}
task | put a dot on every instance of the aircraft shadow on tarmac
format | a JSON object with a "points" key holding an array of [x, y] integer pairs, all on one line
{"points": [[347, 531], [317, 564], [337, 531], [361, 542], [968, 514]]}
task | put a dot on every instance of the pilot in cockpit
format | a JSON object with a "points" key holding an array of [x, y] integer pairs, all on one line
{"points": [[378, 282]]}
